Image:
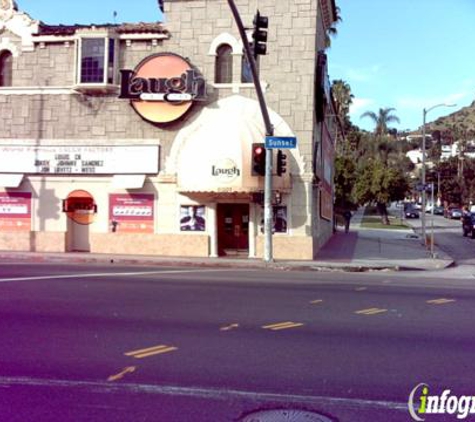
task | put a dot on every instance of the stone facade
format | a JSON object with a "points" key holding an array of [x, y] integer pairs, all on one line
{"points": [[43, 107]]}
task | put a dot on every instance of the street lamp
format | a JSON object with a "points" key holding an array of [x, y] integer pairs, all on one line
{"points": [[424, 114]]}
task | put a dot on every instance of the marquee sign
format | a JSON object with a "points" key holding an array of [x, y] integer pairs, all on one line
{"points": [[162, 87], [84, 160]]}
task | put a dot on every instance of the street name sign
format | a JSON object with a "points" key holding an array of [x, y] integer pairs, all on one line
{"points": [[281, 142], [420, 187]]}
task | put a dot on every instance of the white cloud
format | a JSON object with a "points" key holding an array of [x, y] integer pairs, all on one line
{"points": [[360, 105]]}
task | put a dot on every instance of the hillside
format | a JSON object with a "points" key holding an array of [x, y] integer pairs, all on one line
{"points": [[462, 120]]}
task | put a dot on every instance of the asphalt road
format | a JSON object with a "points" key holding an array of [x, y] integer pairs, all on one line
{"points": [[107, 343]]}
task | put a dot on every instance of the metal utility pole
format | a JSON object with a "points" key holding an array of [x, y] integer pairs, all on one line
{"points": [[268, 215], [439, 196], [423, 219], [432, 222]]}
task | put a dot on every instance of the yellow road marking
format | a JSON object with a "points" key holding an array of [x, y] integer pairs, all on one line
{"points": [[370, 311], [282, 325], [156, 350], [440, 301], [128, 369], [229, 327], [314, 302], [360, 289]]}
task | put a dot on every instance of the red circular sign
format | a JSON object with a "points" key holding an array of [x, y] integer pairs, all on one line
{"points": [[80, 207]]}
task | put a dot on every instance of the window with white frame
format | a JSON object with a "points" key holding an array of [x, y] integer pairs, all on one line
{"points": [[6, 68], [97, 57]]}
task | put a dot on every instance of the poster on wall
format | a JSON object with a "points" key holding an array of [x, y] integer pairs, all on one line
{"points": [[193, 218], [326, 204], [131, 213], [279, 215], [15, 211]]}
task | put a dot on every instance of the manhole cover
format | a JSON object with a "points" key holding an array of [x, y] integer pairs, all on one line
{"points": [[283, 415]]}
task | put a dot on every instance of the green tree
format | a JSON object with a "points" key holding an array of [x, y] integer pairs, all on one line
{"points": [[382, 119], [380, 185], [345, 179]]}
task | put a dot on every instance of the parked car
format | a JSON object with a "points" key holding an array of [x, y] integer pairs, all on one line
{"points": [[438, 210], [468, 225], [411, 213], [455, 213], [448, 211]]}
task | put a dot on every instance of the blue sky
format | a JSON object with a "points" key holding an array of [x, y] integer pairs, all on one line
{"points": [[406, 54]]}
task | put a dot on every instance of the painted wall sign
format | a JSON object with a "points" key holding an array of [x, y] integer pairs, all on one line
{"points": [[15, 211], [162, 87], [86, 160], [132, 213], [225, 170]]}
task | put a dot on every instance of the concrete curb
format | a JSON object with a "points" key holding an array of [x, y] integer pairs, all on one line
{"points": [[212, 262]]}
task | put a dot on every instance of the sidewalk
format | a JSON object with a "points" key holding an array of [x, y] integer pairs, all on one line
{"points": [[362, 249], [368, 248]]}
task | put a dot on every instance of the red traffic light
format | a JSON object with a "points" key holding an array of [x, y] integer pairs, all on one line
{"points": [[258, 163]]}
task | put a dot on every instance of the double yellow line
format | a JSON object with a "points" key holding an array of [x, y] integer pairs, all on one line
{"points": [[282, 325], [150, 351]]}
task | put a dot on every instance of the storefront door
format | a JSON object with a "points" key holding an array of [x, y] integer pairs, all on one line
{"points": [[78, 235], [233, 229]]}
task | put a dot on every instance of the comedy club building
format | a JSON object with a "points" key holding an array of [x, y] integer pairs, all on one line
{"points": [[141, 138]]}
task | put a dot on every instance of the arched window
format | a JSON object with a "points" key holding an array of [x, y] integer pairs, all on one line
{"points": [[6, 66], [224, 65]]}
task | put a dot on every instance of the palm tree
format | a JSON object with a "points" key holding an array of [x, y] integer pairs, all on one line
{"points": [[341, 91], [332, 31], [382, 119]]}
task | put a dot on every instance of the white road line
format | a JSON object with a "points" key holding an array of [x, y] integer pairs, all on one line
{"points": [[208, 393], [89, 275]]}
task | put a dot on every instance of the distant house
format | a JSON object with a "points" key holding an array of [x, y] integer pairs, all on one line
{"points": [[415, 156]]}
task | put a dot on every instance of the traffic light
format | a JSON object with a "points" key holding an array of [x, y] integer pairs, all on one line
{"points": [[258, 160], [281, 163], [259, 35]]}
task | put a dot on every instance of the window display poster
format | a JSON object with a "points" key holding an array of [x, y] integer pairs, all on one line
{"points": [[193, 218], [15, 211], [131, 213], [326, 205], [326, 192], [279, 214]]}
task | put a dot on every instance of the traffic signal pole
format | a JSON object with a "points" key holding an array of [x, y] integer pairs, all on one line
{"points": [[268, 215]]}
